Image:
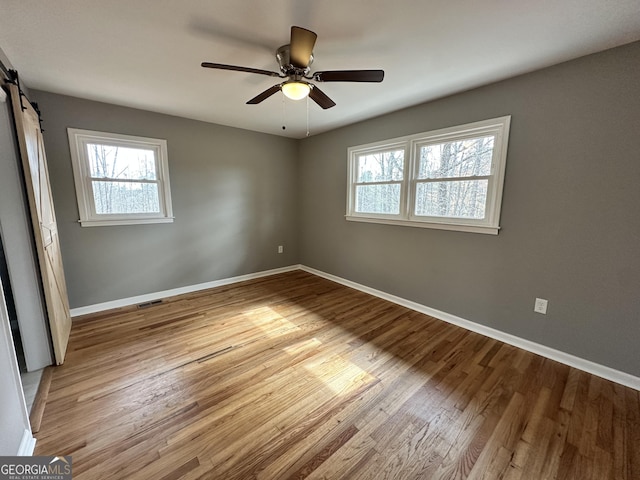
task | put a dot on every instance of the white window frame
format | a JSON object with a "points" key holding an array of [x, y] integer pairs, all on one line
{"points": [[353, 173], [78, 140], [496, 127]]}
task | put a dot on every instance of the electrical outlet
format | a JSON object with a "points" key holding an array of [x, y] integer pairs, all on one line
{"points": [[280, 249], [540, 306]]}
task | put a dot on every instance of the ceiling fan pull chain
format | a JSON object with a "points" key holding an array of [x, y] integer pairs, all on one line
{"points": [[283, 113], [307, 115]]}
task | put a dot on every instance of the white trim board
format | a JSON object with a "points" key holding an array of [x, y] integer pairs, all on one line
{"points": [[588, 366], [126, 302], [27, 444]]}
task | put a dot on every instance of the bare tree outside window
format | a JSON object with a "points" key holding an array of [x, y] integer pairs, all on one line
{"points": [[124, 179], [455, 178], [379, 180]]}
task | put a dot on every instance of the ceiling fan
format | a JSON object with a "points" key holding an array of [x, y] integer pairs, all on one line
{"points": [[295, 60]]}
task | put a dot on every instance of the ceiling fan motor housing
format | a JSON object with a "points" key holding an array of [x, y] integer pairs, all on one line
{"points": [[283, 56]]}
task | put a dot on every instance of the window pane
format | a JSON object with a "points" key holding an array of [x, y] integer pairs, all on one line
{"points": [[463, 199], [462, 158], [125, 197], [378, 199], [107, 161], [381, 167]]}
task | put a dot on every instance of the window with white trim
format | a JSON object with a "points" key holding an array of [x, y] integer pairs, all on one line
{"points": [[120, 179], [447, 179]]}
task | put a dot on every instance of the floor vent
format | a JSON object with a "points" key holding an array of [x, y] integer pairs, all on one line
{"points": [[149, 304]]}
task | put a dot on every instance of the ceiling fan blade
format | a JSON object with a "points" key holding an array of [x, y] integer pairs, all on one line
{"points": [[235, 68], [264, 95], [349, 76], [301, 46], [320, 98]]}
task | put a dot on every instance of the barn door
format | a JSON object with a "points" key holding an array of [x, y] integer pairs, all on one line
{"points": [[43, 218]]}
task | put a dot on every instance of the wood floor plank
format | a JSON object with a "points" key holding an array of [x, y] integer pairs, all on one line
{"points": [[37, 409], [293, 376]]}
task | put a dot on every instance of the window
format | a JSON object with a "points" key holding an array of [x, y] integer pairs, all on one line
{"points": [[448, 179], [379, 179], [120, 179]]}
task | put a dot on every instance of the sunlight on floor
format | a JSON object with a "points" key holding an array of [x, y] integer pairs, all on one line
{"points": [[337, 373], [271, 322], [302, 346]]}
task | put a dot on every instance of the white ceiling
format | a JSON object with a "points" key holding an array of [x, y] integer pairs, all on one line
{"points": [[147, 53]]}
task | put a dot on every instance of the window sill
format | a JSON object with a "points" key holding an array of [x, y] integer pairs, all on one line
{"points": [[130, 221], [438, 226]]}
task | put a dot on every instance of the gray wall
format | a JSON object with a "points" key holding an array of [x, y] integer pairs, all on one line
{"points": [[570, 217], [234, 199]]}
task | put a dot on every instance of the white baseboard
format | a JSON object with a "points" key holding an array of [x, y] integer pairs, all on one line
{"points": [[125, 302], [539, 349], [548, 352], [27, 444]]}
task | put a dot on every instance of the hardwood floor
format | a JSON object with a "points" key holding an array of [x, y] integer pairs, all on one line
{"points": [[293, 376]]}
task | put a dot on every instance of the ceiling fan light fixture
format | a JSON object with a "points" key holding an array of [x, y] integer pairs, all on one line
{"points": [[296, 90]]}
